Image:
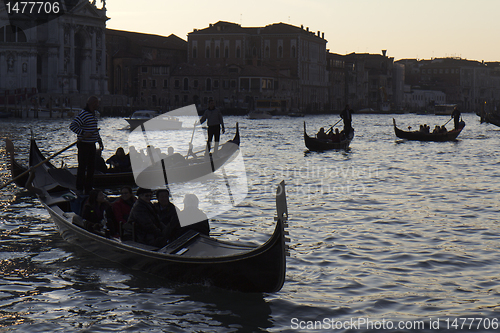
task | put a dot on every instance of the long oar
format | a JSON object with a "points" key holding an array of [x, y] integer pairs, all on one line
{"points": [[447, 122], [190, 149], [10, 149], [334, 125]]}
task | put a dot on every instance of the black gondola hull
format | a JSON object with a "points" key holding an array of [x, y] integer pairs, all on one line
{"points": [[314, 144], [418, 136], [111, 179], [261, 269], [196, 259]]}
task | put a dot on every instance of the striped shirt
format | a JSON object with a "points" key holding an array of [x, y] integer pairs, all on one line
{"points": [[85, 122], [214, 117]]}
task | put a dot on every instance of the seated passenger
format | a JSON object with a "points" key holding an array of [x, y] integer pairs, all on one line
{"points": [[121, 209], [100, 165], [335, 136], [144, 221], [174, 158], [192, 218], [443, 129], [119, 162], [167, 213], [321, 134], [436, 130], [96, 211]]}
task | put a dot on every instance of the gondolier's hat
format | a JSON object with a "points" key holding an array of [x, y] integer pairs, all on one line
{"points": [[141, 190]]}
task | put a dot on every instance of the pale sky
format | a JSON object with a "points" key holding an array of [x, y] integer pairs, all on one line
{"points": [[420, 29]]}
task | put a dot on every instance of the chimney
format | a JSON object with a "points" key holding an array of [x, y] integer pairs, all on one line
{"points": [[307, 29], [384, 52], [302, 26], [323, 35], [318, 33]]}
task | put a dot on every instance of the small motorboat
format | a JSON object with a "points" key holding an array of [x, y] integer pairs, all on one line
{"points": [[140, 117]]}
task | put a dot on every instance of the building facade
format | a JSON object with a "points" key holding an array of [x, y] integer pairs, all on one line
{"points": [[66, 55], [279, 61]]}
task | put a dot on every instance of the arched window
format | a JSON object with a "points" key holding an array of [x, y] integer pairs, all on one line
{"points": [[226, 52], [12, 34], [207, 52], [217, 52]]}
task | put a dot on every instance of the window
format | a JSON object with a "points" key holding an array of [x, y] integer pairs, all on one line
{"points": [[144, 69], [216, 84], [293, 52], [195, 52], [195, 83], [226, 52], [207, 52], [280, 52], [153, 83], [208, 85], [144, 83], [238, 52], [267, 84], [12, 34], [165, 83], [217, 52], [177, 84], [186, 84], [266, 52]]}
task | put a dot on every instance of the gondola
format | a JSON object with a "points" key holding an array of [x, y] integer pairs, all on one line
{"points": [[491, 118], [198, 166], [192, 258], [314, 144], [419, 136]]}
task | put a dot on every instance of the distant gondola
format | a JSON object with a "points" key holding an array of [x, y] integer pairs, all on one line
{"points": [[314, 144], [419, 136], [192, 258]]}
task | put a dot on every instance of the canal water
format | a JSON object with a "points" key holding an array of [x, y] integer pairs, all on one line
{"points": [[389, 235]]}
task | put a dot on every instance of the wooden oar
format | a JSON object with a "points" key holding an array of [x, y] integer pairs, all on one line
{"points": [[10, 149], [334, 125], [447, 122], [190, 149]]}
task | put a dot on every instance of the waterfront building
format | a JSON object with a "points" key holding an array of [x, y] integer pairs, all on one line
{"points": [[65, 55], [278, 61]]}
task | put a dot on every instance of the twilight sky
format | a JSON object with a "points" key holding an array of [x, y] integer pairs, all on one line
{"points": [[420, 29]]}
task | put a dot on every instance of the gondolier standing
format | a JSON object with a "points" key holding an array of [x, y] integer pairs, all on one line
{"points": [[456, 117], [85, 126], [346, 115], [215, 123]]}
